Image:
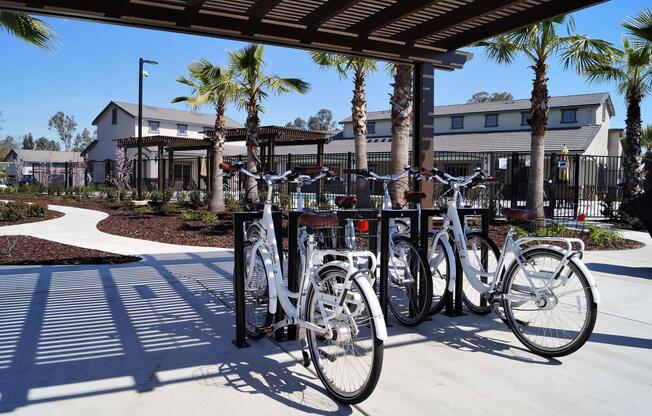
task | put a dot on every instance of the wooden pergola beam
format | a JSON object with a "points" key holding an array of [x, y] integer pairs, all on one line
{"points": [[456, 17], [326, 11], [387, 16], [516, 21]]}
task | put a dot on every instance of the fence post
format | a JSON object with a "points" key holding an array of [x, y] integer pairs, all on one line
{"points": [[514, 184], [349, 165], [576, 180], [554, 177]]}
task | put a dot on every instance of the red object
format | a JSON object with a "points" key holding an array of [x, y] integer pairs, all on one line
{"points": [[581, 218], [363, 226]]}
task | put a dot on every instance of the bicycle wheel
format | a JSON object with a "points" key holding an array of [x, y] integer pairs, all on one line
{"points": [[349, 361], [440, 267], [409, 289], [253, 232], [562, 321], [483, 254], [256, 294]]}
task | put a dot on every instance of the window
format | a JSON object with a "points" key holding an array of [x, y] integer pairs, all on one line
{"points": [[604, 112], [457, 122], [569, 115], [491, 120], [182, 129], [153, 126], [371, 127], [525, 118], [114, 116]]}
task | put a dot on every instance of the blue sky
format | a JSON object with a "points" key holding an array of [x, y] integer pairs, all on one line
{"points": [[96, 63]]}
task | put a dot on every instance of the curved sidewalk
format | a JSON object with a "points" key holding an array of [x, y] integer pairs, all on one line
{"points": [[78, 227]]}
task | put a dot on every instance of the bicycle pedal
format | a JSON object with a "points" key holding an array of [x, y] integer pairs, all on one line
{"points": [[268, 329], [306, 359]]}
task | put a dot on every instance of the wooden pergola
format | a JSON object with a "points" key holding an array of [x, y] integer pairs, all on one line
{"points": [[268, 138], [425, 33]]}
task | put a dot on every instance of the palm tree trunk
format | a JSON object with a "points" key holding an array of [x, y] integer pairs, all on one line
{"points": [[216, 203], [401, 102], [359, 117], [539, 123], [252, 149], [632, 164]]}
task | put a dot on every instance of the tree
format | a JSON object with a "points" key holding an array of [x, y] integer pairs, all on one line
{"points": [[216, 86], [360, 67], [539, 43], [28, 28], [82, 140], [44, 144], [401, 103], [483, 97], [322, 121], [255, 86], [646, 140], [123, 167], [640, 25], [65, 127], [28, 141], [631, 71], [298, 123]]}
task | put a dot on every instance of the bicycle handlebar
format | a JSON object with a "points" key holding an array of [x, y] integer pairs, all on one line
{"points": [[239, 166]]}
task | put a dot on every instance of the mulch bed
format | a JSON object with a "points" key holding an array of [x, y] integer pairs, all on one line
{"points": [[24, 250], [50, 215]]}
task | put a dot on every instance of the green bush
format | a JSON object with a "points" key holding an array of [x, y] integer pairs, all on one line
{"points": [[195, 199], [182, 198], [192, 215], [12, 211], [232, 204], [86, 191], [37, 209], [210, 218], [608, 209], [112, 194], [168, 194], [600, 236]]}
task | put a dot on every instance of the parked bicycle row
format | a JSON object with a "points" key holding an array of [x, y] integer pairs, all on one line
{"points": [[538, 286]]}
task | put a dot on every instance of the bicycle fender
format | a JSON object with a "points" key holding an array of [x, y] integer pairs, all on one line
{"points": [[269, 271], [580, 265], [451, 256], [374, 305]]}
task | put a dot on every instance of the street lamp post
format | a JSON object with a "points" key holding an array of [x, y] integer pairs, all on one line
{"points": [[139, 172]]}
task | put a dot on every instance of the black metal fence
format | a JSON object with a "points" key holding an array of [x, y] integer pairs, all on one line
{"points": [[575, 184]]}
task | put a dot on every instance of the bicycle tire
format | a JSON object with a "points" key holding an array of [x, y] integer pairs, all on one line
{"points": [[516, 324], [256, 328], [418, 292], [440, 280], [376, 344], [471, 298]]}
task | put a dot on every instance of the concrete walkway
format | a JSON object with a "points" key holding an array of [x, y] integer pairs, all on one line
{"points": [[78, 227]]}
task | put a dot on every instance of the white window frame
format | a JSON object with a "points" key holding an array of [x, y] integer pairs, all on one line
{"points": [[179, 133], [149, 126], [453, 118]]}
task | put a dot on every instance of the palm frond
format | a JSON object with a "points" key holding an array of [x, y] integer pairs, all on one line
{"points": [[501, 48], [581, 52], [28, 28], [640, 25]]}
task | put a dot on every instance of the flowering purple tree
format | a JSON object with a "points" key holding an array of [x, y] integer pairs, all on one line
{"points": [[47, 174], [18, 169], [123, 167], [79, 173]]}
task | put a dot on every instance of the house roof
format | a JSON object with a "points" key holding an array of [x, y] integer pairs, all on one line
{"points": [[579, 100], [577, 140], [41, 156], [169, 114]]}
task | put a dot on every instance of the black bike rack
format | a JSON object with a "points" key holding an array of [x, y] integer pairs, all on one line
{"points": [[239, 221], [385, 216], [454, 304]]}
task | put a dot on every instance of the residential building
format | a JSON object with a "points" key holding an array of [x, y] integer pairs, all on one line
{"points": [[119, 120], [34, 163], [581, 122]]}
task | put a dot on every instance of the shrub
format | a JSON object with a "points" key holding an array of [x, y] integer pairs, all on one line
{"points": [[232, 204], [37, 209], [13, 211], [608, 209], [182, 198], [192, 215], [210, 218], [286, 202], [168, 193], [195, 199], [600, 236], [112, 194], [86, 191], [124, 194]]}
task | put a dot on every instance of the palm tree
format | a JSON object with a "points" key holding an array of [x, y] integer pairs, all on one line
{"points": [[401, 102], [360, 68], [254, 87], [212, 85], [640, 25], [27, 28], [631, 71], [539, 43]]}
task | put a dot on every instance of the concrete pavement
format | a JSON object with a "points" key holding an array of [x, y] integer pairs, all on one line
{"points": [[78, 227]]}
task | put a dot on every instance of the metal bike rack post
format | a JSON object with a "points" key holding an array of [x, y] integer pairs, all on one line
{"points": [[239, 221], [293, 265], [385, 216]]}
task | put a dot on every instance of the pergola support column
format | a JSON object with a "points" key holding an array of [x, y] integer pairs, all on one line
{"points": [[171, 168], [320, 163], [423, 125], [161, 169]]}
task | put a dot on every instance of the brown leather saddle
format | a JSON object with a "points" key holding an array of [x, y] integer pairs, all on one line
{"points": [[319, 219], [346, 202]]}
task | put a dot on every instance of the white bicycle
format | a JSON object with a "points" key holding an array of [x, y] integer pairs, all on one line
{"points": [[341, 325], [544, 292]]}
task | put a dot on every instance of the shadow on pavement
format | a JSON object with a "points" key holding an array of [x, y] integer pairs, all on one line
{"points": [[620, 270], [79, 331]]}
